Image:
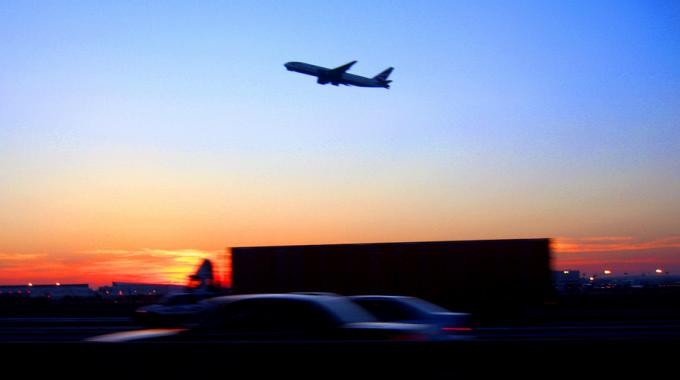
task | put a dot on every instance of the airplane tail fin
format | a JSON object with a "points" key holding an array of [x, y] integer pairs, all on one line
{"points": [[203, 278], [382, 77]]}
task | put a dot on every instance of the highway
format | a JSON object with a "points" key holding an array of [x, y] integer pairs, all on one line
{"points": [[66, 329], [40, 346]]}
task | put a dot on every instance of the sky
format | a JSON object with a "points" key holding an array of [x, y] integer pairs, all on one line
{"points": [[138, 137]]}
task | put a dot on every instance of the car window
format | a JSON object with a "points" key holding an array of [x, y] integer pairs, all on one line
{"points": [[426, 306], [346, 311], [269, 315], [389, 310]]}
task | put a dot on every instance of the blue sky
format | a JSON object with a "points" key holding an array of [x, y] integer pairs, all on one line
{"points": [[505, 119]]}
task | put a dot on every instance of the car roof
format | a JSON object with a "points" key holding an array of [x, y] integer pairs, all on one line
{"points": [[343, 309], [380, 297], [282, 296], [416, 302]]}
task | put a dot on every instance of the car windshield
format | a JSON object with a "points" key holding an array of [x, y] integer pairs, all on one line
{"points": [[390, 309], [425, 305], [347, 311]]}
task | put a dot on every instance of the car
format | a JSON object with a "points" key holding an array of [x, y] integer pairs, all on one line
{"points": [[173, 310], [279, 317], [443, 324]]}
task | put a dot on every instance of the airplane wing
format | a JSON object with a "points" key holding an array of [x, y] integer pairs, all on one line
{"points": [[343, 68]]}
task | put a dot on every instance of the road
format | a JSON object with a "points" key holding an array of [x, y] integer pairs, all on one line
{"points": [[56, 329], [54, 346]]}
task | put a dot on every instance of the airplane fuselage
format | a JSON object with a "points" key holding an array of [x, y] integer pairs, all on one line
{"points": [[331, 76]]}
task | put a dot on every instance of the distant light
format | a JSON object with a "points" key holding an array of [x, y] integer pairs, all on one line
{"points": [[30, 284], [565, 271], [591, 278], [607, 271], [658, 270], [58, 284]]}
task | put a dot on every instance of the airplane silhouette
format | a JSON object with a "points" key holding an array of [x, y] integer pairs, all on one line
{"points": [[339, 75]]}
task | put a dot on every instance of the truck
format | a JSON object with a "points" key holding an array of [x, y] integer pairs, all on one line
{"points": [[476, 275]]}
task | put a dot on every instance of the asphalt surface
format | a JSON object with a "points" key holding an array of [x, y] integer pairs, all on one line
{"points": [[55, 347], [65, 329]]}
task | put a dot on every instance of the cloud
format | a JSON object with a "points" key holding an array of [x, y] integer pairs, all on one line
{"points": [[11, 259], [612, 243], [621, 253]]}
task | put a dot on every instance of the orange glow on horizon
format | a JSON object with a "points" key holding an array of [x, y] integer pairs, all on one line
{"points": [[101, 267], [611, 243], [621, 254]]}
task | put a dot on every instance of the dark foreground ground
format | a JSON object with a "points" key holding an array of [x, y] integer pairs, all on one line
{"points": [[53, 346], [599, 335], [534, 359]]}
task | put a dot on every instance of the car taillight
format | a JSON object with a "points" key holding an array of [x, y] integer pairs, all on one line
{"points": [[456, 330]]}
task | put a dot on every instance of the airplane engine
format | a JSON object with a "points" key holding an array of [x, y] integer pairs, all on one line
{"points": [[322, 80]]}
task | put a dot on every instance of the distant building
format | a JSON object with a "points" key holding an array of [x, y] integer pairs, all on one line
{"points": [[54, 291], [567, 280], [128, 289]]}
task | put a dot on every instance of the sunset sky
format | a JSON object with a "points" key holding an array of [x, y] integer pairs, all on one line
{"points": [[137, 138]]}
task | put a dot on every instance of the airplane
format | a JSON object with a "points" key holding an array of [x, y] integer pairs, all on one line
{"points": [[339, 75], [179, 308]]}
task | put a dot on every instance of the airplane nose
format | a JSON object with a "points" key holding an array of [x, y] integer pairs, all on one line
{"points": [[287, 65]]}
